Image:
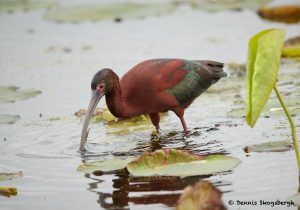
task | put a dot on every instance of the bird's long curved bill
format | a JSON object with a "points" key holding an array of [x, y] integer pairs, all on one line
{"points": [[89, 113]]}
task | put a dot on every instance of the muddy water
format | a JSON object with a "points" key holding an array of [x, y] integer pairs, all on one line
{"points": [[60, 60]]}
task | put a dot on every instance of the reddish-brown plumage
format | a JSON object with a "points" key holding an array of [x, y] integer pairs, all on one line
{"points": [[154, 86]]}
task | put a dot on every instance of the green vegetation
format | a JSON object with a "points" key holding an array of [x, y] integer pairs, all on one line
{"points": [[262, 71]]}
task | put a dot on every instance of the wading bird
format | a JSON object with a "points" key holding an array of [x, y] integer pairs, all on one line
{"points": [[151, 87]]}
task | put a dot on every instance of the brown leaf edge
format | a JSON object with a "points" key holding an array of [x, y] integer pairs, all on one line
{"points": [[202, 196]]}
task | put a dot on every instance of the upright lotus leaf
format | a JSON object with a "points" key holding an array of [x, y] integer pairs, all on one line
{"points": [[172, 162], [106, 165], [8, 191], [202, 196], [264, 54]]}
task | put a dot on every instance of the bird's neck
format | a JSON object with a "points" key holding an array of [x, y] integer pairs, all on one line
{"points": [[114, 99]]}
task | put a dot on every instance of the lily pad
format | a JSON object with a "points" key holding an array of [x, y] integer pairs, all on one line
{"points": [[291, 47], [8, 191], [106, 165], [272, 108], [273, 146], [21, 5], [262, 69], [202, 196], [120, 126], [171, 162], [8, 119], [220, 5], [97, 115], [12, 93], [108, 11], [283, 13], [7, 176]]}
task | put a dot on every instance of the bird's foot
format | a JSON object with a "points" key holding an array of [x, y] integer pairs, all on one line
{"points": [[155, 133]]}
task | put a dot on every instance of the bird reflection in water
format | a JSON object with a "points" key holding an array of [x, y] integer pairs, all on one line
{"points": [[128, 190]]}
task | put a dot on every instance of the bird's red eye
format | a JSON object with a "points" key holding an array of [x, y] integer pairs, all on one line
{"points": [[101, 86]]}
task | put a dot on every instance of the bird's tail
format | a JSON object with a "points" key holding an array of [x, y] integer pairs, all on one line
{"points": [[215, 69]]}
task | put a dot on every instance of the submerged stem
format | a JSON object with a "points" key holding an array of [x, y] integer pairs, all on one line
{"points": [[293, 128]]}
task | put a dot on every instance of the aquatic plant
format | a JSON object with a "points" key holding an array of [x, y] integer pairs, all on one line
{"points": [[264, 55], [165, 162]]}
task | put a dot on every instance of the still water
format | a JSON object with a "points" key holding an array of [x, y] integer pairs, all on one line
{"points": [[60, 59]]}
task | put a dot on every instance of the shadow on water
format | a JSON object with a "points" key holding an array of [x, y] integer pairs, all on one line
{"points": [[140, 190], [125, 189]]}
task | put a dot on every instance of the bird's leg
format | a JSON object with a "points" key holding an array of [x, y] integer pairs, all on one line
{"points": [[155, 120], [180, 112], [184, 125]]}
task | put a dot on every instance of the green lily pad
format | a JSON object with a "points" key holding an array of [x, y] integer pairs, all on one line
{"points": [[120, 126], [97, 115], [272, 108], [171, 162], [108, 11], [8, 119], [262, 69], [291, 47], [21, 5], [236, 112], [201, 196], [273, 146], [8, 191], [7, 176], [295, 199], [106, 165], [220, 5], [12, 93]]}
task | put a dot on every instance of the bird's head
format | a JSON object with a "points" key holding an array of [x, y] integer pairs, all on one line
{"points": [[100, 85]]}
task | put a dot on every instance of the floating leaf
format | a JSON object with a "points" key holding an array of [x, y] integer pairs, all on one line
{"points": [[106, 165], [236, 69], [202, 196], [12, 93], [171, 162], [284, 13], [8, 119], [272, 108], [7, 176], [291, 47], [220, 5], [8, 191], [108, 11], [120, 126], [97, 115], [295, 199], [273, 146], [18, 5], [262, 68]]}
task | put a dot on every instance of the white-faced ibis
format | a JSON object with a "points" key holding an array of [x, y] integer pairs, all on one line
{"points": [[151, 87]]}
